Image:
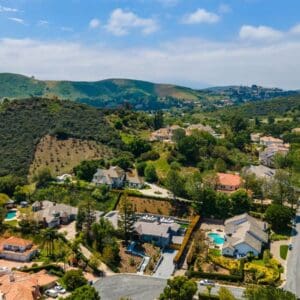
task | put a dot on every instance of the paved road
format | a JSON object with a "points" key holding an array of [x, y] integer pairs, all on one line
{"points": [[235, 290], [138, 287], [293, 263]]}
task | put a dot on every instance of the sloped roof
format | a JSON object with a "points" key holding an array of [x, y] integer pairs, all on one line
{"points": [[229, 179], [16, 241]]}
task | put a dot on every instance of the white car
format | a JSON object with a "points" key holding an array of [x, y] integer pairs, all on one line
{"points": [[52, 293], [207, 282], [59, 289]]}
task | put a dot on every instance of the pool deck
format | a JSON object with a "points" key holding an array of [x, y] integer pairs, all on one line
{"points": [[15, 217]]}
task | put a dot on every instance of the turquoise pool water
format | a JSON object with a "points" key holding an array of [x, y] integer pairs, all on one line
{"points": [[217, 239], [11, 214]]}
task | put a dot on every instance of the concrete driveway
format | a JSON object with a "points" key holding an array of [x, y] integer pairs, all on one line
{"points": [[166, 267], [293, 263], [275, 251]]}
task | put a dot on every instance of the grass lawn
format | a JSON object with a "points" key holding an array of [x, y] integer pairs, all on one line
{"points": [[283, 251], [215, 252], [12, 223]]}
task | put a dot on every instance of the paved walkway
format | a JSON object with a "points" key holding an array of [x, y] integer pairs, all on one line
{"points": [[166, 267]]}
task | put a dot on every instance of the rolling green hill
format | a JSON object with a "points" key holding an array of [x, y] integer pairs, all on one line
{"points": [[105, 93], [26, 122]]}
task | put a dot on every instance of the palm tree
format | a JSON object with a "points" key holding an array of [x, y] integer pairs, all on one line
{"points": [[49, 236]]}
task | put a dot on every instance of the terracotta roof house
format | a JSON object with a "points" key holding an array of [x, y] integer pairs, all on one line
{"points": [[244, 234], [14, 248], [25, 286], [228, 182], [53, 214], [164, 134], [114, 177]]}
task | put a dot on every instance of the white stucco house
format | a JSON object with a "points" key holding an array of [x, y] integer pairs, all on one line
{"points": [[244, 234]]}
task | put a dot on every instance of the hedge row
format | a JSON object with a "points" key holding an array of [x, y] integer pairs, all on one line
{"points": [[49, 268], [202, 296], [216, 276], [186, 239]]}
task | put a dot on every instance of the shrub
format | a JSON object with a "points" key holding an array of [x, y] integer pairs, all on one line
{"points": [[216, 276], [283, 251], [74, 279]]}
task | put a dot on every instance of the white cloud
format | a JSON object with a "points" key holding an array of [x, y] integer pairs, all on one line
{"points": [[121, 22], [7, 9], [295, 29], [17, 20], [42, 23], [201, 16], [262, 33], [94, 23], [192, 61]]}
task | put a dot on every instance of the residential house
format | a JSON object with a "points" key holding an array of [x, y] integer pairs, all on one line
{"points": [[16, 285], [200, 127], [155, 230], [164, 134], [266, 157], [52, 214], [269, 141], [255, 137], [228, 182], [260, 172], [244, 234], [133, 180], [14, 248], [114, 177], [64, 178]]}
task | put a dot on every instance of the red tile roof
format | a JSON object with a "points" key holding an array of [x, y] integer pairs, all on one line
{"points": [[229, 179]]}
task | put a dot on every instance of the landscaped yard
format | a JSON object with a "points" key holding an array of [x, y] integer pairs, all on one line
{"points": [[284, 251]]}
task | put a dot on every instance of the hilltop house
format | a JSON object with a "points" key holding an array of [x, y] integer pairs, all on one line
{"points": [[244, 234], [164, 134], [228, 182], [114, 177], [25, 286], [117, 178], [17, 249], [52, 214]]}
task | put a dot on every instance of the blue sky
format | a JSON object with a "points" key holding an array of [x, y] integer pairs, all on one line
{"points": [[191, 42]]}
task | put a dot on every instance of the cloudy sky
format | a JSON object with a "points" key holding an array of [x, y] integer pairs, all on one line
{"points": [[198, 43]]}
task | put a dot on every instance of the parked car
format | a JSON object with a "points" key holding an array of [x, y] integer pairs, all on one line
{"points": [[207, 282], [290, 247], [52, 293], [59, 289]]}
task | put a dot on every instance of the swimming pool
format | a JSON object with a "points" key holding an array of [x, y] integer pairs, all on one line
{"points": [[217, 238], [11, 214]]}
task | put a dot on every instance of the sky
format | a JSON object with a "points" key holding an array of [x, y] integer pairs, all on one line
{"points": [[196, 43]]}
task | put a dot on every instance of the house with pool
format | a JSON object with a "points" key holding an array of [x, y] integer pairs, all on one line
{"points": [[244, 234]]}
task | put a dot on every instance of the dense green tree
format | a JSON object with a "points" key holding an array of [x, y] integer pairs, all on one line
{"points": [[189, 148], [278, 216], [150, 173], [49, 236], [238, 124], [178, 134], [223, 206], [158, 120], [137, 146], [9, 183], [140, 167], [179, 288], [127, 218], [85, 292], [220, 165], [74, 279], [268, 293], [175, 183], [240, 202], [205, 202], [87, 168], [111, 255], [43, 177], [124, 161]]}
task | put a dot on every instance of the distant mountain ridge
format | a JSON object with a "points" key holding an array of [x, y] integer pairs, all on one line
{"points": [[140, 94]]}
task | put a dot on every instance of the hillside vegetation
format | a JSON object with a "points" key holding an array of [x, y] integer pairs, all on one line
{"points": [[25, 122], [61, 156], [139, 94]]}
